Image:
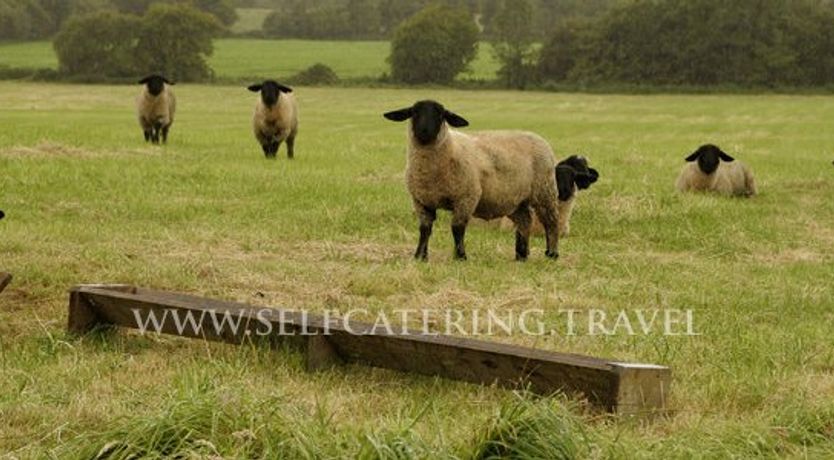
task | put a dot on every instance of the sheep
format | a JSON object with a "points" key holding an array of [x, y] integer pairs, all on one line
{"points": [[156, 106], [488, 175], [276, 117], [572, 175], [715, 171]]}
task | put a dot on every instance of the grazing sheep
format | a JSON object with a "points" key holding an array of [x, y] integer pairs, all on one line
{"points": [[156, 106], [488, 175], [572, 175], [715, 171], [276, 117]]}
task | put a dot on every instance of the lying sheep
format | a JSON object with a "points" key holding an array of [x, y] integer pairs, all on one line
{"points": [[276, 117], [156, 106], [715, 171], [487, 175], [572, 175]]}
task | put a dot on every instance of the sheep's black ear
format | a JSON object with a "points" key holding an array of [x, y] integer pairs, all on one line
{"points": [[284, 89], [694, 156], [564, 181], [168, 81], [144, 80], [724, 156], [455, 120], [399, 115], [255, 88]]}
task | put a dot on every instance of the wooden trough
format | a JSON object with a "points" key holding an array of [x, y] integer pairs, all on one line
{"points": [[625, 388], [5, 279]]}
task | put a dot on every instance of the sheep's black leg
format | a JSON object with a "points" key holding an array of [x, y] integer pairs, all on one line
{"points": [[165, 134], [522, 220], [147, 135], [427, 217], [267, 148], [459, 232], [549, 217], [290, 147], [275, 146]]}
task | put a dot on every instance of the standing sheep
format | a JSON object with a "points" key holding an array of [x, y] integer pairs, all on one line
{"points": [[156, 106], [712, 170], [487, 175], [276, 117], [572, 175]]}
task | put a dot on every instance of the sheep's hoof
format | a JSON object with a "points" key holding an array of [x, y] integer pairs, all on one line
{"points": [[552, 254], [461, 257]]}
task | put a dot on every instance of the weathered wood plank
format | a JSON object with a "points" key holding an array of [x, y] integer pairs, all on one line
{"points": [[5, 279], [615, 386]]}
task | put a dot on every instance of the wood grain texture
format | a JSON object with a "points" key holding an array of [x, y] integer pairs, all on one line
{"points": [[626, 388]]}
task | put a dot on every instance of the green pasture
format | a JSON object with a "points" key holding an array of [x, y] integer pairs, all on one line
{"points": [[244, 58], [87, 201]]}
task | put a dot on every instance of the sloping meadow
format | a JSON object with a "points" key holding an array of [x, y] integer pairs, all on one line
{"points": [[87, 201]]}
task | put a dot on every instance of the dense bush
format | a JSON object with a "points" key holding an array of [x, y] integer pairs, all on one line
{"points": [[100, 44], [176, 39], [699, 42], [170, 39], [317, 74], [433, 46]]}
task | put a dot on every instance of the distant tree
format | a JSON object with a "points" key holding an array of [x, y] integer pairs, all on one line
{"points": [[560, 52], [223, 10], [433, 46], [512, 43], [102, 44], [176, 40]]}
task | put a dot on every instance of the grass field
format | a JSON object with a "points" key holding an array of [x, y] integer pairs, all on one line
{"points": [[87, 201], [243, 58]]}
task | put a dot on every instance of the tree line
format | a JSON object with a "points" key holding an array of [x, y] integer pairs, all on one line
{"points": [[750, 43], [41, 19]]}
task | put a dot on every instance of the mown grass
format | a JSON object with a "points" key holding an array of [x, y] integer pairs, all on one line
{"points": [[87, 201], [235, 58]]}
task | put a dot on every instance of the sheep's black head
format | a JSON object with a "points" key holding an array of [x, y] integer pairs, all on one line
{"points": [[708, 157], [427, 118], [574, 171], [155, 83], [270, 91]]}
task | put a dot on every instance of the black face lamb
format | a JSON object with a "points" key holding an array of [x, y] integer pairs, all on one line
{"points": [[276, 118], [427, 117], [709, 156], [709, 169], [487, 175], [156, 106], [574, 172]]}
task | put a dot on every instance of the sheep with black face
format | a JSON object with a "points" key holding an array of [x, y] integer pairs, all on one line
{"points": [[712, 170], [156, 106], [572, 174], [488, 175], [276, 117]]}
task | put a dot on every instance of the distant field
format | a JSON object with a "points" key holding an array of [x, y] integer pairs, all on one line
{"points": [[30, 55], [249, 19], [239, 58], [87, 201]]}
